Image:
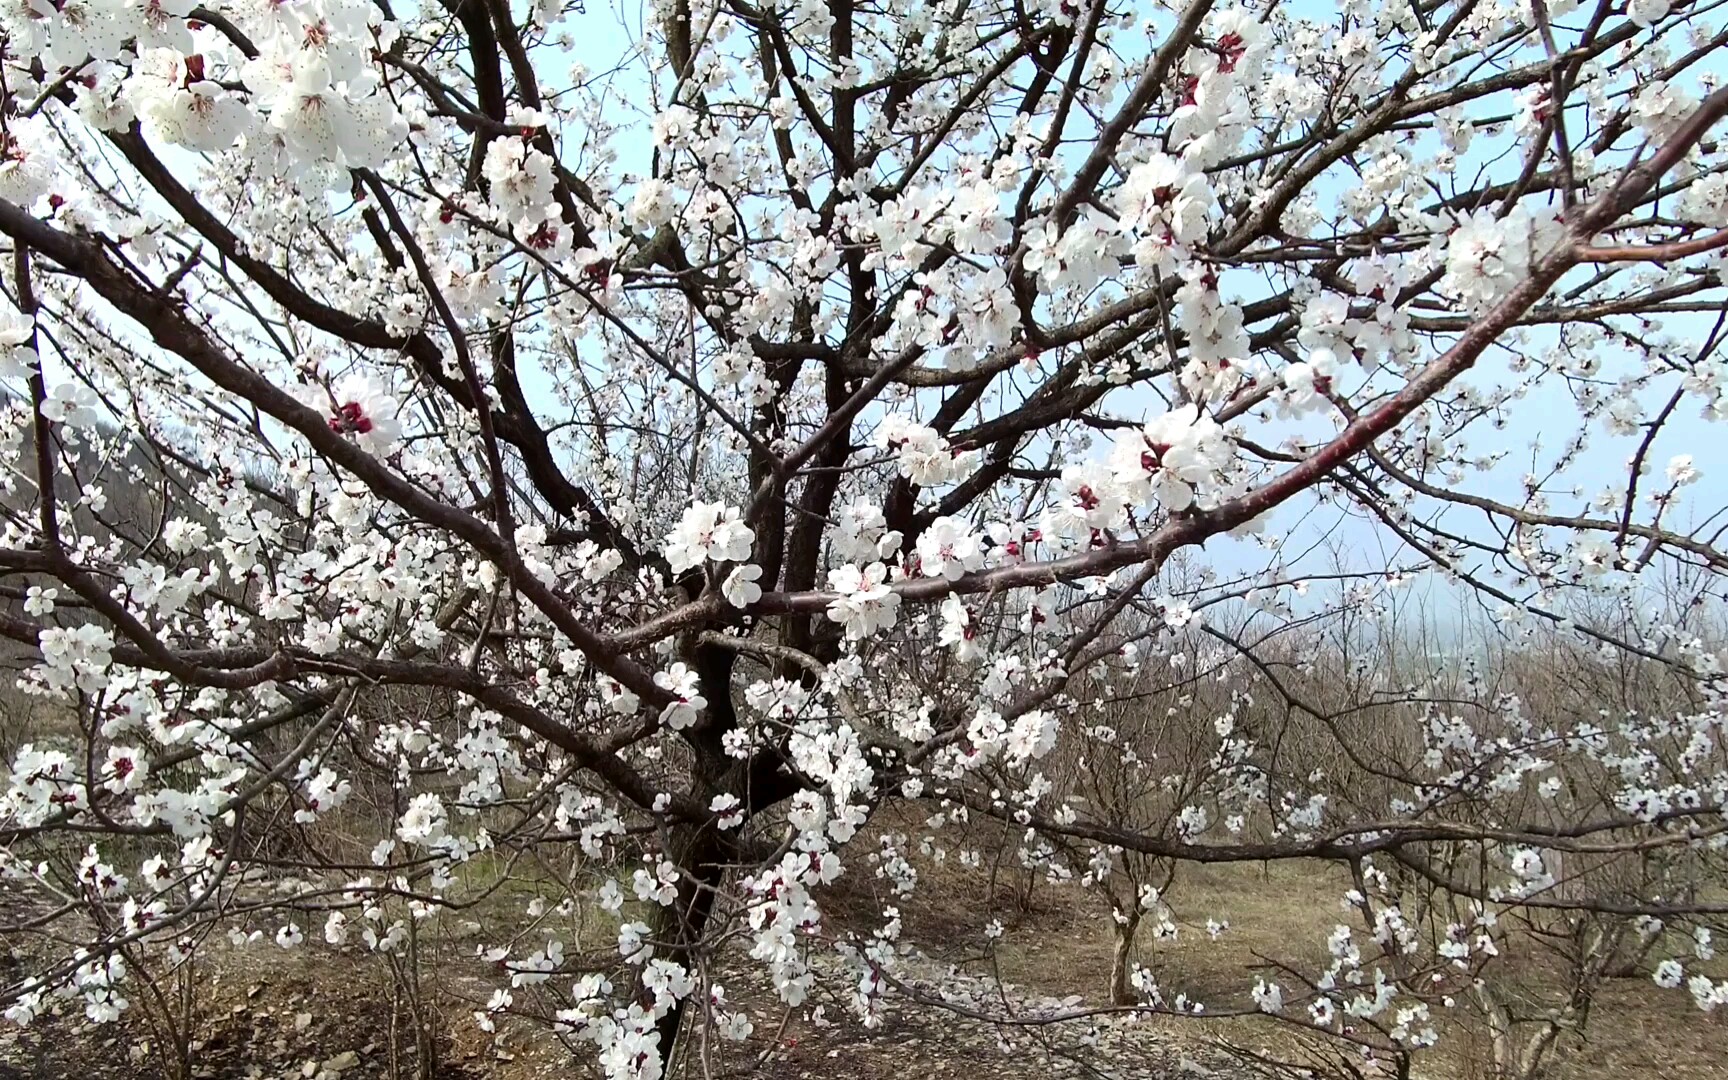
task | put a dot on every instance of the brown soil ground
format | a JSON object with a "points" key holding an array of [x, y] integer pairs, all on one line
{"points": [[317, 1014]]}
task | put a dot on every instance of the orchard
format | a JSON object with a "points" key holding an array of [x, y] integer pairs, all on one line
{"points": [[646, 450]]}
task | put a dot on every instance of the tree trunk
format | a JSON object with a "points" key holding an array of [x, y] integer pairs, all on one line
{"points": [[681, 924], [700, 851], [1121, 962]]}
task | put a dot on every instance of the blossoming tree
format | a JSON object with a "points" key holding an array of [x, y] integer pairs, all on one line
{"points": [[660, 458]]}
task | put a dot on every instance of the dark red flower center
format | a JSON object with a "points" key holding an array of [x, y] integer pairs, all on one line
{"points": [[350, 419]]}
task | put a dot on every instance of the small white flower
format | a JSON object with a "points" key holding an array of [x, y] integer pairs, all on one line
{"points": [[948, 549], [729, 809], [617, 697], [126, 769], [72, 404], [1177, 613], [610, 896], [686, 704], [18, 359], [1268, 997], [424, 820], [1647, 13], [40, 601], [742, 586], [363, 409]]}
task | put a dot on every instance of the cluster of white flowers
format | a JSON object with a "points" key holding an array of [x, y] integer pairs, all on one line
{"points": [[171, 95], [625, 1038], [520, 184], [866, 604], [44, 784], [425, 820], [681, 682], [1066, 334], [922, 455], [1487, 256], [1086, 253], [77, 658], [1168, 205], [312, 90], [1218, 355], [1170, 458], [861, 534], [783, 914], [708, 532]]}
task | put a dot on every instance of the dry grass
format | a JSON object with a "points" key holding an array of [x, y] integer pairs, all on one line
{"points": [[1057, 944], [1284, 912]]}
